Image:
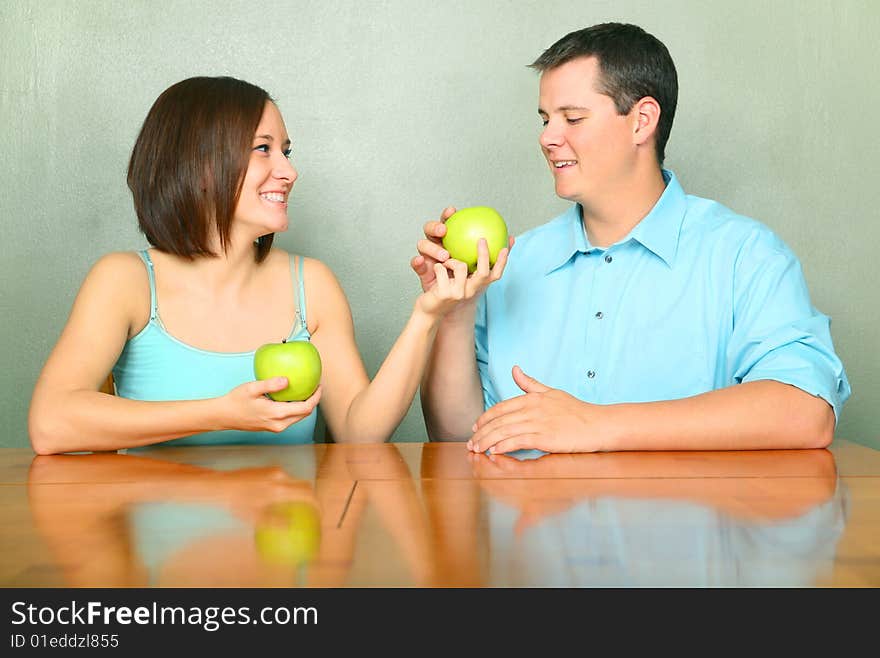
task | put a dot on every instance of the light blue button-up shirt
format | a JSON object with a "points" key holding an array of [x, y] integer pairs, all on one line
{"points": [[695, 298]]}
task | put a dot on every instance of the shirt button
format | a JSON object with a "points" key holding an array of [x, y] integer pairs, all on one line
{"points": [[608, 258], [591, 374], [600, 315]]}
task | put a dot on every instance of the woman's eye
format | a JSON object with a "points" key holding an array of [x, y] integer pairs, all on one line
{"points": [[264, 148], [544, 122], [575, 119], [287, 153]]}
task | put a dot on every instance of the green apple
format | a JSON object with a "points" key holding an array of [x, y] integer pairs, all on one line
{"points": [[288, 533], [465, 227], [297, 360]]}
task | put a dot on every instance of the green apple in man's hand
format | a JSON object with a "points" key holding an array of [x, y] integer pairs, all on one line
{"points": [[298, 360], [464, 229]]}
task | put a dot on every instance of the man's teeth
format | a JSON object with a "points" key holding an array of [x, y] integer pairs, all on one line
{"points": [[564, 163], [272, 196]]}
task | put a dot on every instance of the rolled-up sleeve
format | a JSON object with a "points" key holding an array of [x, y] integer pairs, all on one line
{"points": [[481, 346], [777, 334]]}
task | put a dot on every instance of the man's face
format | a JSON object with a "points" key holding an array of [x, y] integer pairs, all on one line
{"points": [[588, 145]]}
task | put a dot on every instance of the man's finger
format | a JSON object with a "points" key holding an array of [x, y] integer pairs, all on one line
{"points": [[524, 441], [434, 230], [433, 250], [500, 428], [526, 383], [506, 407]]}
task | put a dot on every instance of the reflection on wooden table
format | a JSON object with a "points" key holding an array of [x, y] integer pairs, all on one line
{"points": [[436, 515], [137, 520], [610, 522]]}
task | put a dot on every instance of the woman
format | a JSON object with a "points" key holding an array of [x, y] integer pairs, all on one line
{"points": [[178, 324]]}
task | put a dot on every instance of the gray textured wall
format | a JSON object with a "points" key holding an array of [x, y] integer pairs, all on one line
{"points": [[397, 109]]}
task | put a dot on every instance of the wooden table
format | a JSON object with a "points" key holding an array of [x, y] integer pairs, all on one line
{"points": [[412, 514]]}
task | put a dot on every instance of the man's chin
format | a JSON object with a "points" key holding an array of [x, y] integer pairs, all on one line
{"points": [[568, 194]]}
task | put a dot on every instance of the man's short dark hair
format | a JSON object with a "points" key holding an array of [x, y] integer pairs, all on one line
{"points": [[188, 164], [633, 64]]}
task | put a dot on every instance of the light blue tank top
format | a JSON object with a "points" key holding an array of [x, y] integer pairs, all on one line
{"points": [[154, 365]]}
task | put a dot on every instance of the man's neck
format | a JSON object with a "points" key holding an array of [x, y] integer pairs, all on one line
{"points": [[609, 219]]}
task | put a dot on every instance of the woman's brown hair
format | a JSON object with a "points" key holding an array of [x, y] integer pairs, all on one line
{"points": [[189, 161]]}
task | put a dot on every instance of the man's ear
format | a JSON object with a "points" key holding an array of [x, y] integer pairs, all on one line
{"points": [[646, 113]]}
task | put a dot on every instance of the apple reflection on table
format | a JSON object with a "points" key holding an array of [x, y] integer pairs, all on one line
{"points": [[137, 520], [734, 519]]}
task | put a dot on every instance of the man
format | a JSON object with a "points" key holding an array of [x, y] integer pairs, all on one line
{"points": [[642, 318]]}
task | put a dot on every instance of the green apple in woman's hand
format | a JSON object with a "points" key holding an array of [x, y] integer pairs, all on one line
{"points": [[297, 360]]}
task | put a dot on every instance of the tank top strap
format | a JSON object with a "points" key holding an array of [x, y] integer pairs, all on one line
{"points": [[154, 306], [296, 273]]}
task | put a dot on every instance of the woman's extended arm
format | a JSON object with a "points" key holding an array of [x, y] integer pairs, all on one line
{"points": [[356, 409]]}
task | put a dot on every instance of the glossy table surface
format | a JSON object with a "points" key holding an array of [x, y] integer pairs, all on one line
{"points": [[433, 515]]}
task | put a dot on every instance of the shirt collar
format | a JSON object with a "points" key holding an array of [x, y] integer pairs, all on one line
{"points": [[658, 231], [572, 239]]}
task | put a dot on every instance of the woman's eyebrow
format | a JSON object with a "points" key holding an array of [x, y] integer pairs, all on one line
{"points": [[286, 142]]}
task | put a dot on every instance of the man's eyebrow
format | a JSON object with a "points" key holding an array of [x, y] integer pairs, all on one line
{"points": [[566, 108]]}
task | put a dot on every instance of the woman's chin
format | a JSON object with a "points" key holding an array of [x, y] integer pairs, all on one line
{"points": [[275, 227]]}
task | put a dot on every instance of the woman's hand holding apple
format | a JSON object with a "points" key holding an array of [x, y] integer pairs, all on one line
{"points": [[246, 407], [434, 262], [452, 284]]}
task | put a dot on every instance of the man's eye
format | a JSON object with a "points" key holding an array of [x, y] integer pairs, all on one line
{"points": [[575, 119], [544, 122]]}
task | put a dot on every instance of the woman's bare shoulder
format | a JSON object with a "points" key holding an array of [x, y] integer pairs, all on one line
{"points": [[318, 275], [117, 270], [120, 278]]}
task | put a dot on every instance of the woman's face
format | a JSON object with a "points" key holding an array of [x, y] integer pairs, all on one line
{"points": [[269, 177]]}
